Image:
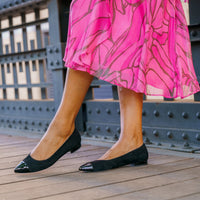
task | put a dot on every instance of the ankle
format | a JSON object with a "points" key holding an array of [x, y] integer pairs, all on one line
{"points": [[132, 140], [62, 129]]}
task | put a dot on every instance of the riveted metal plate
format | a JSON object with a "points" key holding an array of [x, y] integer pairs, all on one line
{"points": [[173, 123], [55, 56]]}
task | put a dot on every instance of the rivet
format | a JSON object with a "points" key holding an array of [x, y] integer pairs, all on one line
{"points": [[8, 108], [47, 124], [105, 138], [170, 114], [107, 128], [169, 134], [7, 120], [88, 134], [33, 123], [184, 136], [198, 115], [47, 109], [155, 132], [40, 123], [116, 137], [14, 108], [20, 108], [186, 145], [89, 111], [13, 121], [118, 129], [33, 108], [19, 121], [108, 110], [2, 120], [40, 109], [194, 33], [16, 2], [51, 63], [89, 128], [184, 115], [198, 137], [50, 51], [2, 107], [143, 113], [172, 145], [159, 144], [118, 111], [98, 128], [97, 110], [156, 113], [26, 108], [56, 50], [26, 122], [147, 141], [53, 109], [57, 62]]}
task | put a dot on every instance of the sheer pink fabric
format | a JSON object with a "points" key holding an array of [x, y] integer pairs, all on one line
{"points": [[142, 45]]}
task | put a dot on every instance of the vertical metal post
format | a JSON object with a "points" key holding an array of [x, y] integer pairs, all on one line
{"points": [[1, 43], [24, 32], [194, 6], [55, 26], [12, 42]]}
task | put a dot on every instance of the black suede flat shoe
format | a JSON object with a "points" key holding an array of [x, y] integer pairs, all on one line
{"points": [[138, 156], [29, 164]]}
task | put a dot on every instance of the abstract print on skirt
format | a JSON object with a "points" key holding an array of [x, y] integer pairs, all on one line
{"points": [[142, 45]]}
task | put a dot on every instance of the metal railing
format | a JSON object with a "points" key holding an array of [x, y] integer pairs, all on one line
{"points": [[28, 106]]}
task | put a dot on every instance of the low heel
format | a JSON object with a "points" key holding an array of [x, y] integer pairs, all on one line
{"points": [[139, 163], [75, 148]]}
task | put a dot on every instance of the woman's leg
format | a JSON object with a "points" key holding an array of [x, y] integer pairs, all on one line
{"points": [[63, 124], [131, 124]]}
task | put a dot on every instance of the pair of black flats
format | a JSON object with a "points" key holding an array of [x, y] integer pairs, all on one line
{"points": [[138, 156]]}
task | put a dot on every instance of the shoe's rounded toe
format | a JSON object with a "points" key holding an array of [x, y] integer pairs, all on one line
{"points": [[88, 167], [22, 167]]}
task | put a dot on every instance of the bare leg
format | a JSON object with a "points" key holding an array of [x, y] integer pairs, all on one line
{"points": [[131, 124], [63, 124]]}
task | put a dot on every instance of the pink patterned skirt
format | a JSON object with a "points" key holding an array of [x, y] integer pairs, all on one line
{"points": [[142, 45]]}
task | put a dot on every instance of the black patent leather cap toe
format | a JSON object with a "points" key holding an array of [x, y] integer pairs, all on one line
{"points": [[86, 167], [22, 168], [138, 156]]}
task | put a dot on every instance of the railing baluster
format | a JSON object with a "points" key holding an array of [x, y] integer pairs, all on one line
{"points": [[15, 79], [1, 43], [38, 29], [24, 32], [28, 79], [42, 79], [12, 39], [3, 81]]}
